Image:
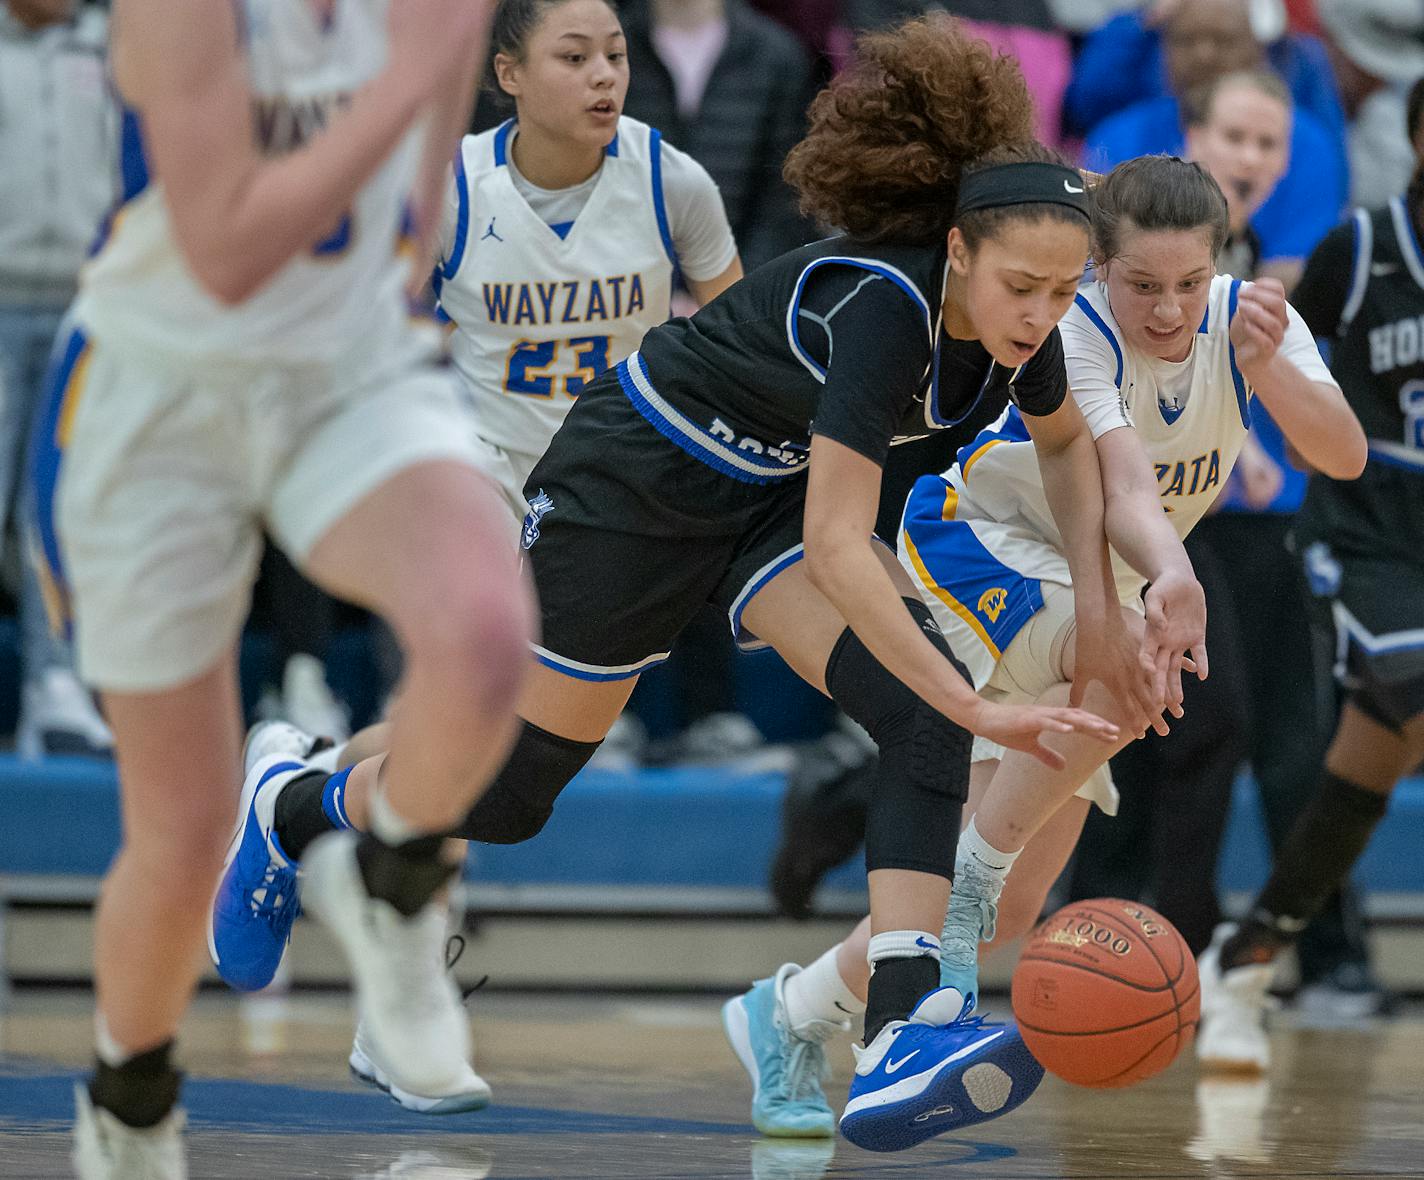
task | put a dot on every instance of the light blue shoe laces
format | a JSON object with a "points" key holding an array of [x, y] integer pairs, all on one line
{"points": [[972, 918]]}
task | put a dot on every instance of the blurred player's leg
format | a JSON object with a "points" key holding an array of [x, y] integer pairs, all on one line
{"points": [[1365, 760], [151, 914]]}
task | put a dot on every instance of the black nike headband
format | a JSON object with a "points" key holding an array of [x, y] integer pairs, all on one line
{"points": [[1032, 183]]}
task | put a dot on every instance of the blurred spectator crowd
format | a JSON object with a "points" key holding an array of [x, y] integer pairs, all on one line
{"points": [[1296, 106]]}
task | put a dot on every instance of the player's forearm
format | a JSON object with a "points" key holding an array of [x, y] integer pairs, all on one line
{"points": [[1314, 417], [1072, 485], [1138, 531], [283, 206]]}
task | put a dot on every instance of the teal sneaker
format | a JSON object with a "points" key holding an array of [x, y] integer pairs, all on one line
{"points": [[972, 918], [787, 1066]]}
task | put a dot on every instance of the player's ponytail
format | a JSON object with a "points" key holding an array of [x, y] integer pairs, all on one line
{"points": [[892, 136]]}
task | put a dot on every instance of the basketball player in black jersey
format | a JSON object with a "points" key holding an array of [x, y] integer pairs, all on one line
{"points": [[1363, 547], [736, 458]]}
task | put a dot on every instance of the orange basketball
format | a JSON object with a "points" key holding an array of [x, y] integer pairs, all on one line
{"points": [[1106, 993]]}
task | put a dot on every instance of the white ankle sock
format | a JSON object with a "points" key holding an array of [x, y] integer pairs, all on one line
{"points": [[386, 825], [108, 1050], [818, 992], [902, 944], [973, 847]]}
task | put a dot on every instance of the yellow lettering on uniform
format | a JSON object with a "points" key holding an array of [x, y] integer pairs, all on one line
{"points": [[1179, 479], [546, 299], [497, 302], [595, 306], [616, 283], [1196, 473], [524, 306], [636, 301], [570, 294], [1213, 471], [992, 603]]}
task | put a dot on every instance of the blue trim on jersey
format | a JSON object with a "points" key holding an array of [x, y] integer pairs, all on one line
{"points": [[562, 228], [582, 671], [1411, 241], [46, 455], [1169, 413], [776, 565], [1364, 244], [446, 270], [612, 148], [1012, 430], [1243, 402], [794, 311], [1206, 321], [993, 599], [1098, 322], [133, 173], [133, 160], [691, 438], [501, 142], [655, 160], [1396, 455]]}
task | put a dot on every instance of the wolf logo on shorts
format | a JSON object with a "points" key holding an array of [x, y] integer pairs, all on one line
{"points": [[538, 506]]}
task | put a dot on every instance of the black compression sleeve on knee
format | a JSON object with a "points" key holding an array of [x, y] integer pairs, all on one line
{"points": [[1328, 838], [520, 800], [922, 779]]}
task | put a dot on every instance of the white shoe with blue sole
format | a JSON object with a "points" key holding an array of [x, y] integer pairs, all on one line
{"points": [[941, 1070], [786, 1065]]}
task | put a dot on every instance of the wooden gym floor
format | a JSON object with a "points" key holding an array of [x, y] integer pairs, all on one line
{"points": [[606, 1088]]}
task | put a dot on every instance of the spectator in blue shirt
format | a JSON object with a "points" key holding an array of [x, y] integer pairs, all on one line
{"points": [[1204, 40], [1124, 62]]}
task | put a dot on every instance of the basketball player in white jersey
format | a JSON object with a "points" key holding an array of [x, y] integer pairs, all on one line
{"points": [[562, 233], [565, 230], [1164, 358], [239, 358]]}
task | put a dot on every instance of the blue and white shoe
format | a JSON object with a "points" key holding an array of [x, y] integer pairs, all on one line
{"points": [[787, 1066], [972, 918], [964, 1072], [256, 900]]}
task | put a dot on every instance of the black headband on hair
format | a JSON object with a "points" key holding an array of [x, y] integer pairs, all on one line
{"points": [[1028, 183]]}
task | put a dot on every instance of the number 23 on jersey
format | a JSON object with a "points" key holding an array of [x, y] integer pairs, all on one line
{"points": [[541, 368]]}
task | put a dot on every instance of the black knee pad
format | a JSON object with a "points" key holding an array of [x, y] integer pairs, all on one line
{"points": [[923, 776], [521, 799]]}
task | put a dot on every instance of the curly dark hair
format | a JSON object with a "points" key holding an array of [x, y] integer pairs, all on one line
{"points": [[891, 136]]}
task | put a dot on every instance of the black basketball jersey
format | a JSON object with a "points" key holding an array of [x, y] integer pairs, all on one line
{"points": [[839, 338], [1375, 325]]}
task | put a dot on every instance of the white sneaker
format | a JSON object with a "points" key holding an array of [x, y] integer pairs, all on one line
{"points": [[106, 1149], [309, 703], [471, 1093], [409, 1008], [1232, 1037], [58, 716], [1231, 1120]]}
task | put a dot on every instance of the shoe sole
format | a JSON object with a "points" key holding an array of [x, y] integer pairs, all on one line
{"points": [[739, 1035], [364, 1070], [947, 1103]]}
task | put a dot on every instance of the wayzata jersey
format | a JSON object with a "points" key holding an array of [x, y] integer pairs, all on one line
{"points": [[1192, 417], [542, 310], [345, 290]]}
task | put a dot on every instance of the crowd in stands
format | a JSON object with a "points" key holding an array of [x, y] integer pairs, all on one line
{"points": [[1297, 108]]}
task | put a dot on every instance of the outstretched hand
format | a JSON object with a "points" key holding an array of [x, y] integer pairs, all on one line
{"points": [[1176, 624], [1022, 727], [1106, 652]]}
